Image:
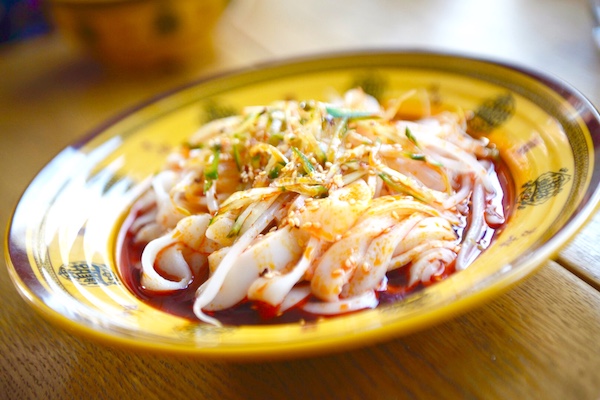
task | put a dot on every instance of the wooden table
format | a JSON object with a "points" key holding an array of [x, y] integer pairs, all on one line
{"points": [[539, 340]]}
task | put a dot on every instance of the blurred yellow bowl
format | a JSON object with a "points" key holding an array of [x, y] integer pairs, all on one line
{"points": [[140, 34]]}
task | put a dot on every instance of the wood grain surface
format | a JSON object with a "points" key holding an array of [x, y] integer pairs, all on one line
{"points": [[538, 340]]}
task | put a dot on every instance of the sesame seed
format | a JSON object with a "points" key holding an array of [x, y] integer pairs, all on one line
{"points": [[336, 273], [313, 207], [349, 263], [395, 214], [317, 225]]}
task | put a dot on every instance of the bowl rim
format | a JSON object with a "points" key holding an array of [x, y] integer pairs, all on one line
{"points": [[583, 213]]}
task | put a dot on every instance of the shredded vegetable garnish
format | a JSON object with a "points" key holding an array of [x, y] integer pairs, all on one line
{"points": [[309, 204]]}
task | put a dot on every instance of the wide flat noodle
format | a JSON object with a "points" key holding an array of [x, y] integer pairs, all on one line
{"points": [[310, 204]]}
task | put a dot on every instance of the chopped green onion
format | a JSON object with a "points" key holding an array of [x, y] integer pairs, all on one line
{"points": [[319, 191], [410, 136], [399, 187], [309, 168], [275, 139], [237, 157], [235, 229], [417, 157], [350, 114], [208, 184], [212, 172], [316, 191], [274, 173], [423, 157]]}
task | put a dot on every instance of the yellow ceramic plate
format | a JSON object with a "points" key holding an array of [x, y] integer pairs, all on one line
{"points": [[62, 241]]}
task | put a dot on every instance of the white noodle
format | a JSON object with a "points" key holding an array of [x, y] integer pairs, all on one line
{"points": [[295, 296], [379, 253], [476, 228], [430, 263], [408, 256], [207, 292], [461, 195], [365, 300], [273, 289]]}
